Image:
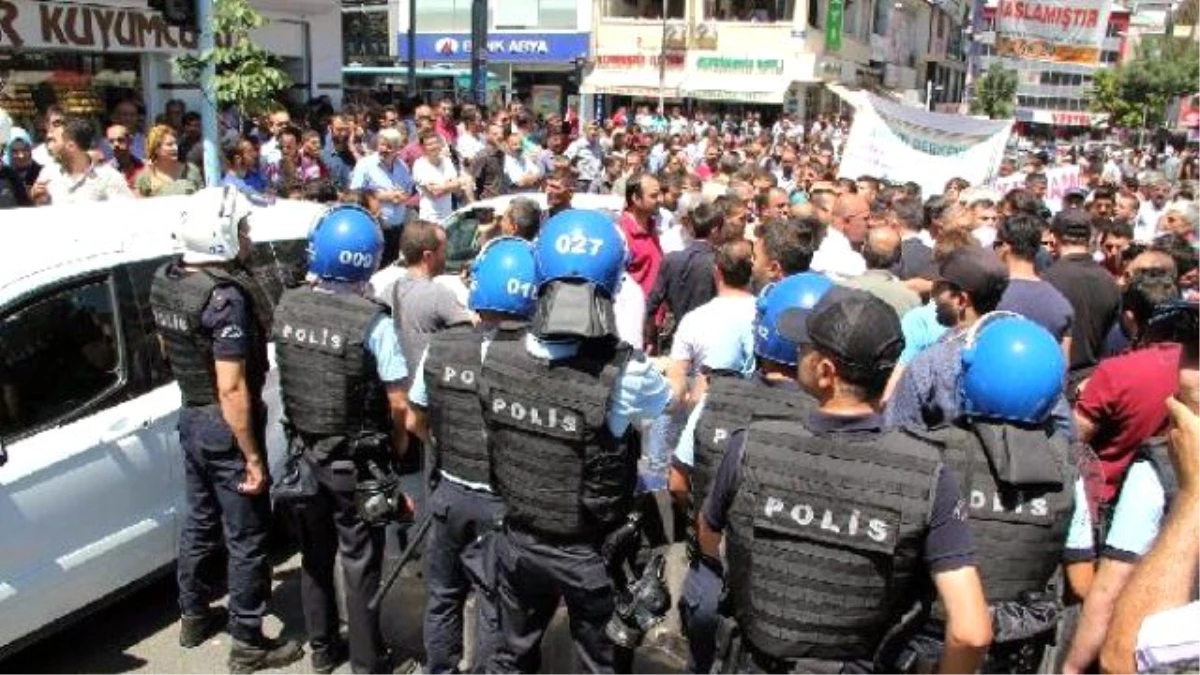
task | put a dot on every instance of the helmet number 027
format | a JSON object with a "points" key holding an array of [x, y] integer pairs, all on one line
{"points": [[576, 244], [356, 259], [520, 288]]}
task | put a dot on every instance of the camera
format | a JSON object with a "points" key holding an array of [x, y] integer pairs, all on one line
{"points": [[644, 605]]}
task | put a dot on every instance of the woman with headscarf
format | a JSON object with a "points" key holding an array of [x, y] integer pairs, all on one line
{"points": [[18, 156]]}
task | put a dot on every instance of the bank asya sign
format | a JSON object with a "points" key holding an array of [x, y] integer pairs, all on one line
{"points": [[62, 25], [502, 47]]}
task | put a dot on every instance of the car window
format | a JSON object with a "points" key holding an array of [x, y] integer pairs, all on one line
{"points": [[462, 238], [59, 356]]}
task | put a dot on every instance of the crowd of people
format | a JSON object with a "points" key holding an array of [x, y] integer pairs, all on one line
{"points": [[862, 396]]}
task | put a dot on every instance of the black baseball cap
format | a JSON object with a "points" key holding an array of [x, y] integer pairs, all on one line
{"points": [[977, 271], [1074, 225], [861, 331]]}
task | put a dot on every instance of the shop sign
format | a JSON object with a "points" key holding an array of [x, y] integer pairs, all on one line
{"points": [[501, 47], [637, 61], [1059, 31], [58, 25], [1071, 119], [721, 64], [833, 25]]}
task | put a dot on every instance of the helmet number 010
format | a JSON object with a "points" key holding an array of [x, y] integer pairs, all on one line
{"points": [[520, 288], [356, 259], [576, 244]]}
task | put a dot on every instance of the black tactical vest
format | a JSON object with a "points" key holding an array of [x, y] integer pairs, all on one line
{"points": [[729, 404], [328, 379], [452, 371], [1019, 530], [554, 461], [178, 298], [825, 539]]}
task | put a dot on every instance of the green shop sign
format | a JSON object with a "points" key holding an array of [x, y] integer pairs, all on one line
{"points": [[720, 64], [833, 25]]}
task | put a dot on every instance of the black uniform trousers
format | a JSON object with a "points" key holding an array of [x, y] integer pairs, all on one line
{"points": [[213, 467], [328, 523], [459, 556], [533, 575], [699, 612]]}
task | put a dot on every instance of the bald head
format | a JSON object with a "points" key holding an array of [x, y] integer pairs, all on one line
{"points": [[882, 248], [850, 214]]}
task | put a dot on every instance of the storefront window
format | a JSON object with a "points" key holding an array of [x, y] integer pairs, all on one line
{"points": [[444, 15], [753, 11], [88, 85], [365, 36], [643, 9], [879, 22]]}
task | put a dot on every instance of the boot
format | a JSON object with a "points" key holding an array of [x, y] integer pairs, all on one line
{"points": [[194, 630], [246, 657], [326, 659]]}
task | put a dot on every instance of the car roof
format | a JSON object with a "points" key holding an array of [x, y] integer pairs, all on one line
{"points": [[582, 200], [57, 242]]}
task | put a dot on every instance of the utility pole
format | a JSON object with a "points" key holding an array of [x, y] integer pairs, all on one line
{"points": [[412, 48], [479, 51], [662, 62], [208, 99]]}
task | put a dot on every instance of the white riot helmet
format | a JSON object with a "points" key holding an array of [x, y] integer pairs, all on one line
{"points": [[208, 226]]}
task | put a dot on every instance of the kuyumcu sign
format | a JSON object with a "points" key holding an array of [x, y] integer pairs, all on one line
{"points": [[1060, 31], [899, 142], [69, 25]]}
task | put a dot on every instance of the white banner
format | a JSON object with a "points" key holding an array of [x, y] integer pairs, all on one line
{"points": [[902, 143], [1060, 31], [1059, 181]]}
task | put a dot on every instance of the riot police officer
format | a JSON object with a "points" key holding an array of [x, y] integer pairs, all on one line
{"points": [[727, 406], [444, 404], [341, 378], [836, 525], [214, 335], [1020, 484], [558, 403]]}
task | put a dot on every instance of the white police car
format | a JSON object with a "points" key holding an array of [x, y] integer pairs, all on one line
{"points": [[91, 494]]}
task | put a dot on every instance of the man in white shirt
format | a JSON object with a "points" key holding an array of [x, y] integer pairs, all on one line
{"points": [[521, 172], [1155, 189], [437, 180], [837, 256], [469, 143], [73, 178]]}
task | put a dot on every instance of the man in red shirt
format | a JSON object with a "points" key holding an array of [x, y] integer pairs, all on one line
{"points": [[641, 231], [1124, 401], [445, 125]]}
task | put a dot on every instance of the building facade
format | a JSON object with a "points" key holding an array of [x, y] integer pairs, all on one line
{"points": [[1054, 97], [800, 55], [88, 57], [536, 49]]}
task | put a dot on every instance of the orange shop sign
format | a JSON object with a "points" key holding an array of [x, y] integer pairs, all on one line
{"points": [[96, 28]]}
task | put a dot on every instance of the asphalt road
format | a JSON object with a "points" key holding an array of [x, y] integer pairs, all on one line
{"points": [[140, 633]]}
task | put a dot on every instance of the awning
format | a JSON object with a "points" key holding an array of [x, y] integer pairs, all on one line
{"points": [[637, 83], [741, 89]]}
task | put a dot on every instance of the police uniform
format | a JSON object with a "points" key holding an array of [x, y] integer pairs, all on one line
{"points": [[557, 415], [337, 356], [205, 315], [1021, 489], [464, 508], [833, 528], [728, 405]]}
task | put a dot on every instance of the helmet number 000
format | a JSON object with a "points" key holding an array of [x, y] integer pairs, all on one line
{"points": [[577, 244], [356, 259]]}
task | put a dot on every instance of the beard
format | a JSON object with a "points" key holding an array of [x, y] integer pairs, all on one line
{"points": [[946, 313]]}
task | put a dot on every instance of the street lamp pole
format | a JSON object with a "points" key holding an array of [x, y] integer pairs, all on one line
{"points": [[208, 99], [662, 62]]}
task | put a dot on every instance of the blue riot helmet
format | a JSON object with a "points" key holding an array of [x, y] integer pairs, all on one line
{"points": [[345, 244], [504, 278], [1012, 370], [799, 291], [578, 245]]}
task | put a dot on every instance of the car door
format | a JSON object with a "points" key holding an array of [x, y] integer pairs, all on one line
{"points": [[86, 494]]}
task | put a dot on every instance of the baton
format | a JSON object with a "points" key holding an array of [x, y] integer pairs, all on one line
{"points": [[394, 573]]}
